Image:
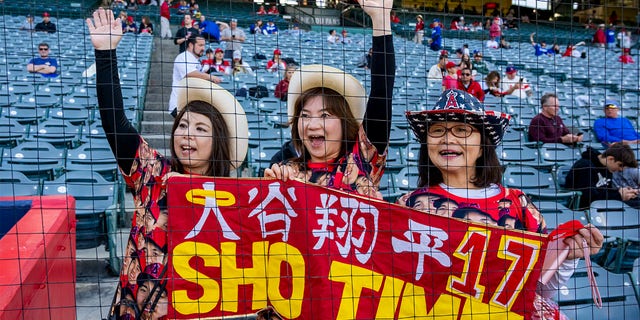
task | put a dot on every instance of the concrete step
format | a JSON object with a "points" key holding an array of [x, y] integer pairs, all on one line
{"points": [[159, 142], [153, 115], [156, 127]]}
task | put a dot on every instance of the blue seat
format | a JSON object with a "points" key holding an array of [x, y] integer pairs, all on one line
{"points": [[95, 157], [60, 133], [35, 159], [407, 179], [25, 113], [614, 215], [556, 213], [11, 132], [559, 154], [538, 185], [15, 184]]}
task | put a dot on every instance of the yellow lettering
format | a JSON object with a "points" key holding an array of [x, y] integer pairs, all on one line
{"points": [[182, 254], [473, 250], [278, 253], [390, 298], [223, 198], [447, 307], [234, 277], [475, 309], [355, 279], [413, 304]]}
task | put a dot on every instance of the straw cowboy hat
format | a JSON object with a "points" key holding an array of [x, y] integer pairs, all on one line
{"points": [[321, 76], [194, 89], [459, 106]]}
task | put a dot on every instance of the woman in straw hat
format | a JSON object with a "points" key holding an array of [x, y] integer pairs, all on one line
{"points": [[458, 162], [209, 138], [340, 136]]}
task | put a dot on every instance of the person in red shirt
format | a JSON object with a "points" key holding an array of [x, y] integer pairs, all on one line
{"points": [[273, 10], [394, 17], [276, 63], [599, 37], [282, 88], [419, 29], [261, 11], [467, 84], [215, 62], [165, 17]]}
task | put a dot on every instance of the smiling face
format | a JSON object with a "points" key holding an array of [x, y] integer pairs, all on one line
{"points": [[450, 151], [193, 142], [320, 131]]}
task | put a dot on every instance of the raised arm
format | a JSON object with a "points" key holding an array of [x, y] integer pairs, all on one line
{"points": [[377, 119], [106, 33]]}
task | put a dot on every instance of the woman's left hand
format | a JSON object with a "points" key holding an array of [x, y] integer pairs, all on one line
{"points": [[380, 13], [589, 233]]}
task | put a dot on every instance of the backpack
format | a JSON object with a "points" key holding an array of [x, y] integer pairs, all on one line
{"points": [[258, 92]]}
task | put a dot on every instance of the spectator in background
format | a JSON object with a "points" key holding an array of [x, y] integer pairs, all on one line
{"points": [[436, 36], [394, 18], [450, 80], [555, 49], [455, 24], [611, 37], [146, 26], [185, 33], [240, 67], [271, 28], [592, 175], [282, 88], [333, 37], [165, 17], [365, 61], [46, 25], [276, 64], [572, 50], [492, 85], [261, 11], [183, 7], [132, 5], [273, 10], [118, 4], [438, 70], [419, 30], [129, 26], [548, 127], [479, 64], [613, 128], [599, 38], [504, 44], [209, 30], [28, 24], [344, 37], [540, 48], [467, 84], [257, 27], [234, 37], [495, 32], [187, 65], [516, 85], [624, 37], [215, 62], [492, 44], [43, 65]]}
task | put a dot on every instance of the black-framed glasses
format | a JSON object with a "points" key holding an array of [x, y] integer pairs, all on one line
{"points": [[43, 49], [466, 74], [460, 130]]}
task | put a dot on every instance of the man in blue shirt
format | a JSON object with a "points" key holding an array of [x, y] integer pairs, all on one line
{"points": [[613, 128], [436, 36], [209, 29], [541, 48], [611, 37], [271, 28], [43, 65]]}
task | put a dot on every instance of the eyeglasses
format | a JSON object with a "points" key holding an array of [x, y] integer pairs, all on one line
{"points": [[460, 131], [43, 49], [466, 74]]}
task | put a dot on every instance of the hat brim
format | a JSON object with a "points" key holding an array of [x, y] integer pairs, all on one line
{"points": [[194, 89], [493, 123], [321, 76]]}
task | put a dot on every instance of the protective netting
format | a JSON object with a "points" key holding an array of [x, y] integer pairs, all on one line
{"points": [[356, 119]]}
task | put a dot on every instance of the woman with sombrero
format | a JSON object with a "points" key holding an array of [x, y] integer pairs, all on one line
{"points": [[208, 138], [458, 161], [340, 136]]}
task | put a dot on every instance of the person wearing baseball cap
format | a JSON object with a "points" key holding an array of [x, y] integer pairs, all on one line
{"points": [[513, 84], [450, 81], [276, 64], [435, 43], [439, 70], [614, 128], [46, 25]]}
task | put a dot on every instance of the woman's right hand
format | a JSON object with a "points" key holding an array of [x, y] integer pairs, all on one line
{"points": [[281, 171], [105, 30]]}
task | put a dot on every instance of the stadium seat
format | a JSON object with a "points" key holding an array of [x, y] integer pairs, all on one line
{"points": [[94, 196], [60, 133], [538, 185], [94, 157], [11, 132], [559, 154], [35, 159], [16, 184], [615, 219], [619, 256], [407, 179]]}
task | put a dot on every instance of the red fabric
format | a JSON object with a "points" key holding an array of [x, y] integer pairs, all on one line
{"points": [[164, 10], [282, 88], [420, 25], [474, 89], [395, 19], [626, 59], [599, 37]]}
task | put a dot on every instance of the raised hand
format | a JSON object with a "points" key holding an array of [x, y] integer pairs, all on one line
{"points": [[380, 13], [105, 30]]}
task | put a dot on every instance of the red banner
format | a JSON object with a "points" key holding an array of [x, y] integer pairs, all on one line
{"points": [[238, 245]]}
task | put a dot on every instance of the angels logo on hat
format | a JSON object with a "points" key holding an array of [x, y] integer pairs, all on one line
{"points": [[459, 106]]}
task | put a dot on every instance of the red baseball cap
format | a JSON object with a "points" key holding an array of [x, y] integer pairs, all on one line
{"points": [[451, 64], [277, 51], [45, 14], [219, 50]]}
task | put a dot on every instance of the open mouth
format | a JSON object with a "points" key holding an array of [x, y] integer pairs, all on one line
{"points": [[450, 153], [186, 150], [316, 141]]}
